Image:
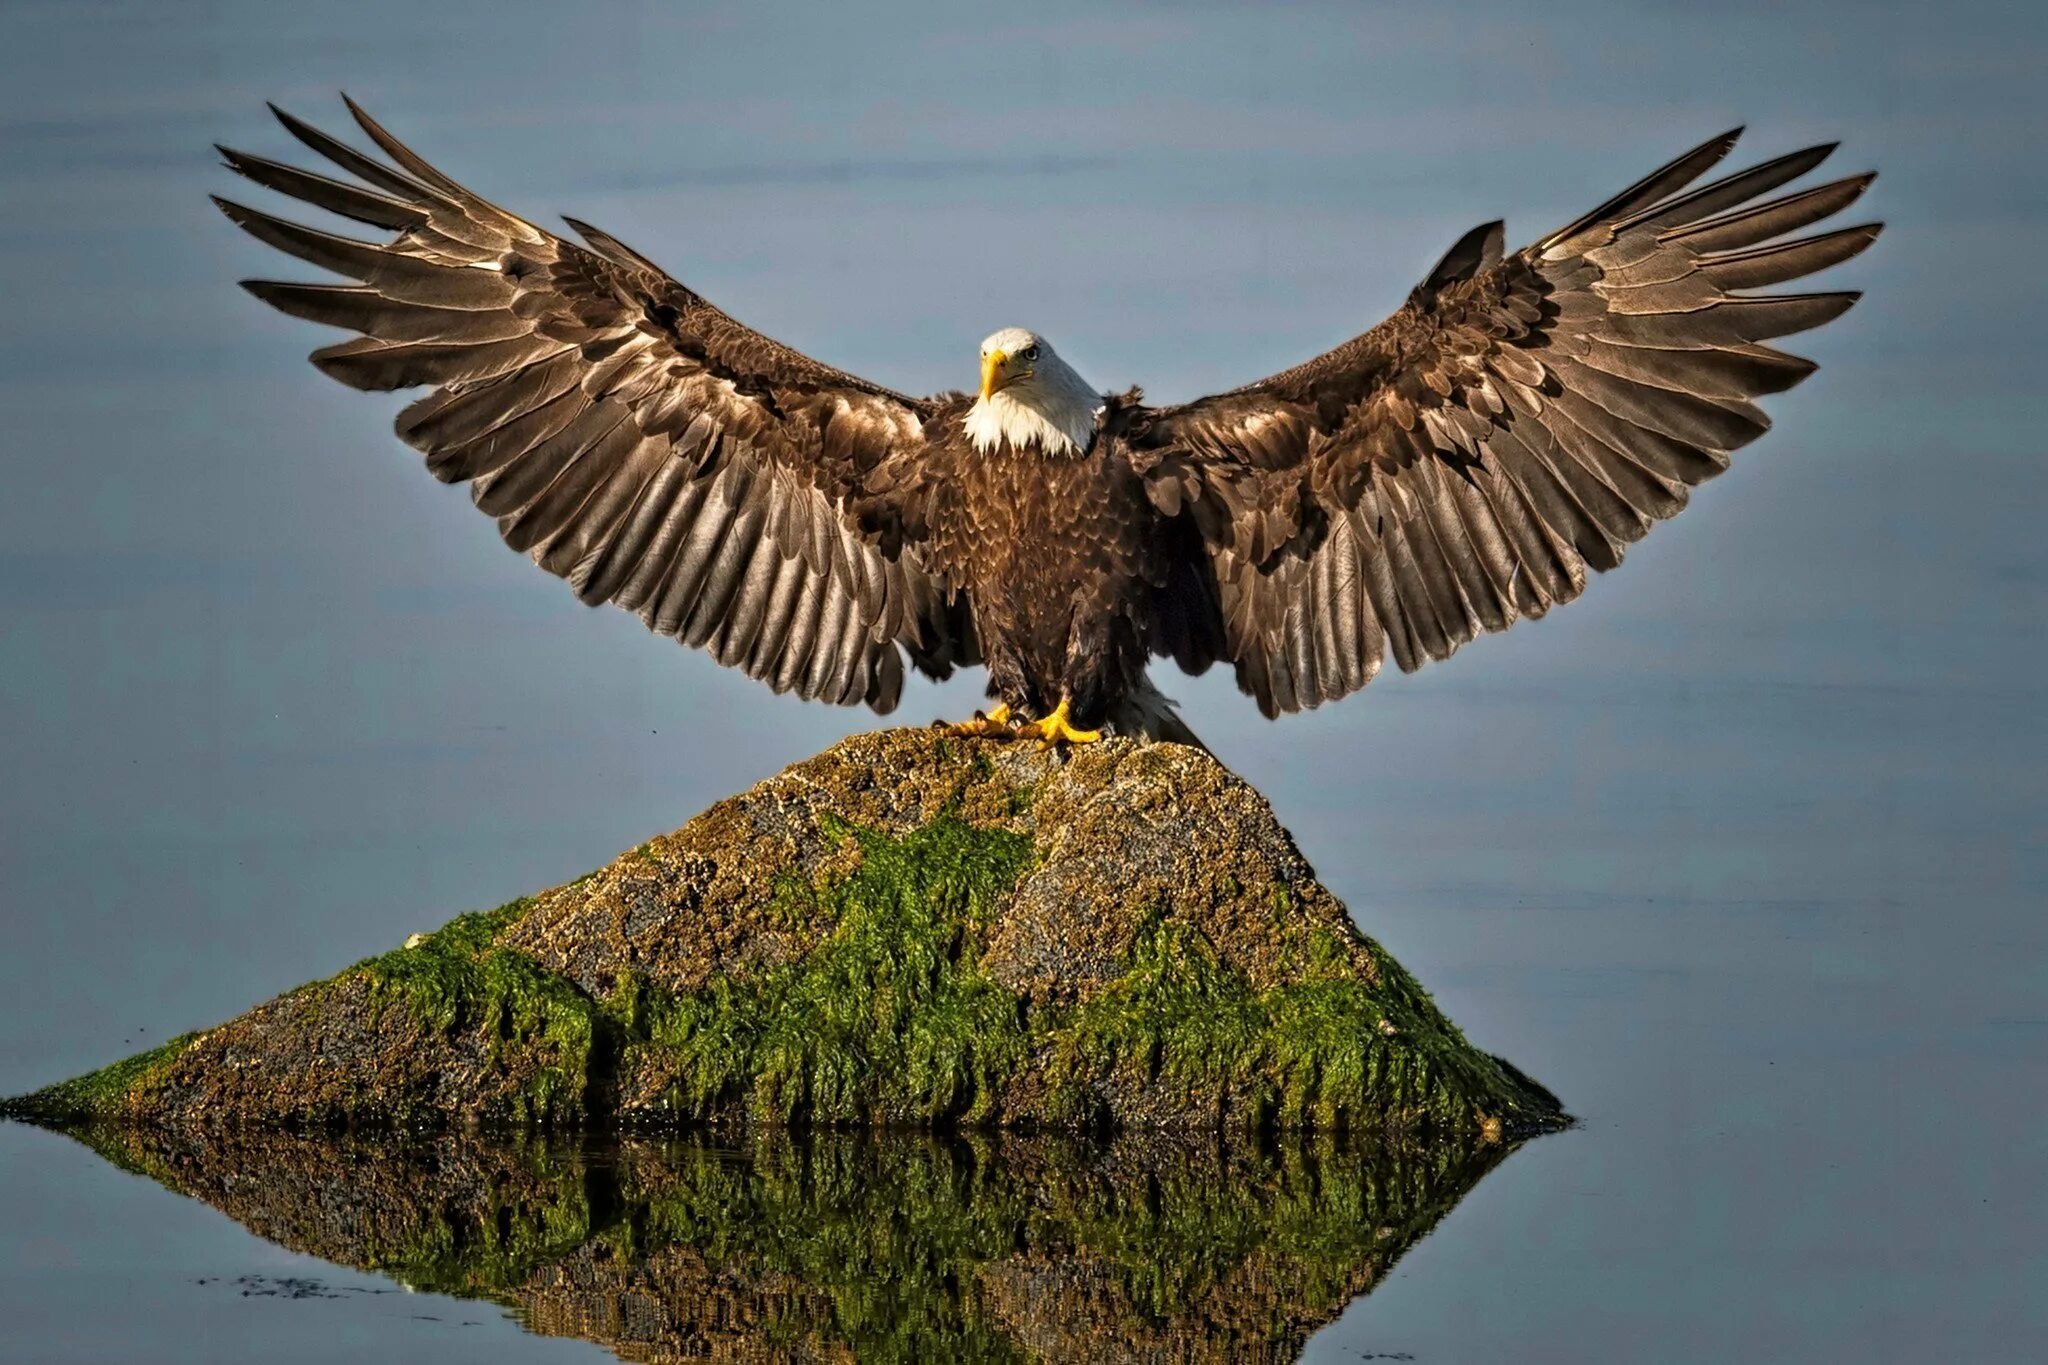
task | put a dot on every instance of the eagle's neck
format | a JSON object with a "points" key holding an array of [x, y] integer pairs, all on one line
{"points": [[1055, 419]]}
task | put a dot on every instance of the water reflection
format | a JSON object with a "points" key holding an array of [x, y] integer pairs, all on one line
{"points": [[844, 1246]]}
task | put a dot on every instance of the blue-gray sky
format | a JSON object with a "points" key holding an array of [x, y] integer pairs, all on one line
{"points": [[1771, 793]]}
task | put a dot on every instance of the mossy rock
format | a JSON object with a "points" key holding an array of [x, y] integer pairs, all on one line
{"points": [[910, 928]]}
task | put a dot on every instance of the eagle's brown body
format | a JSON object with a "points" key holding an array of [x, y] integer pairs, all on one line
{"points": [[1518, 422], [1068, 565]]}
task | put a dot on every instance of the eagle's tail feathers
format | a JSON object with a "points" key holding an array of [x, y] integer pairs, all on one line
{"points": [[1146, 711]]}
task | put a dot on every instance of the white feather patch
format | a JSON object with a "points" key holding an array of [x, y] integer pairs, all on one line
{"points": [[999, 418]]}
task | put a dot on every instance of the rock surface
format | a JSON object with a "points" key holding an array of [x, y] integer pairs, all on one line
{"points": [[908, 928]]}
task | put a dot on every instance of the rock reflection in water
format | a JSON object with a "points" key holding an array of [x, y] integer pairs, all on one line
{"points": [[848, 1246]]}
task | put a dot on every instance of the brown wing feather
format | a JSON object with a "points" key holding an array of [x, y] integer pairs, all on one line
{"points": [[1520, 421], [622, 431]]}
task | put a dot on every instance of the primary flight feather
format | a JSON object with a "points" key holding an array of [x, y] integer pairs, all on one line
{"points": [[1520, 419]]}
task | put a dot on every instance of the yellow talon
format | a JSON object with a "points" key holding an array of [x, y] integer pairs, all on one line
{"points": [[992, 724], [1055, 728]]}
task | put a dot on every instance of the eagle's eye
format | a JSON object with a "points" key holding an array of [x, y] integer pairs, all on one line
{"points": [[1031, 352]]}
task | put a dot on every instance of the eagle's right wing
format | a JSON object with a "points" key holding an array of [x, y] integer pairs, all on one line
{"points": [[622, 431], [1521, 420]]}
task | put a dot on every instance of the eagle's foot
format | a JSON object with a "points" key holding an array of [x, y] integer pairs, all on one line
{"points": [[995, 724], [1057, 729]]}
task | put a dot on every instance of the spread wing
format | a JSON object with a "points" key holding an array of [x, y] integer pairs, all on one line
{"points": [[626, 434], [1521, 420]]}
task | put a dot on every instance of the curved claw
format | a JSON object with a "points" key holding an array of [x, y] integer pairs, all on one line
{"points": [[995, 724], [1058, 729]]}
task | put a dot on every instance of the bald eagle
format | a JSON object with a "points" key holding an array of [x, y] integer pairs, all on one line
{"points": [[1521, 419]]}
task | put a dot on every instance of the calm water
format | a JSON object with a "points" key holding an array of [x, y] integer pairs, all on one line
{"points": [[1741, 855]]}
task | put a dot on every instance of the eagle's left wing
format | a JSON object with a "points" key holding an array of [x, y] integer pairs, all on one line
{"points": [[1520, 421]]}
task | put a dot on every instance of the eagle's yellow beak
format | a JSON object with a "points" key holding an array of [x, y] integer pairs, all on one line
{"points": [[995, 372]]}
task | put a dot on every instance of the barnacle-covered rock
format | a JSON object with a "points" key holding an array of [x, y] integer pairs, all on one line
{"points": [[909, 928]]}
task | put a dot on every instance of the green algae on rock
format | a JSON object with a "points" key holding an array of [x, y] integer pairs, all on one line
{"points": [[909, 928]]}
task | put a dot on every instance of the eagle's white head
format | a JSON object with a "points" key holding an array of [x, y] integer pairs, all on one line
{"points": [[1029, 395]]}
